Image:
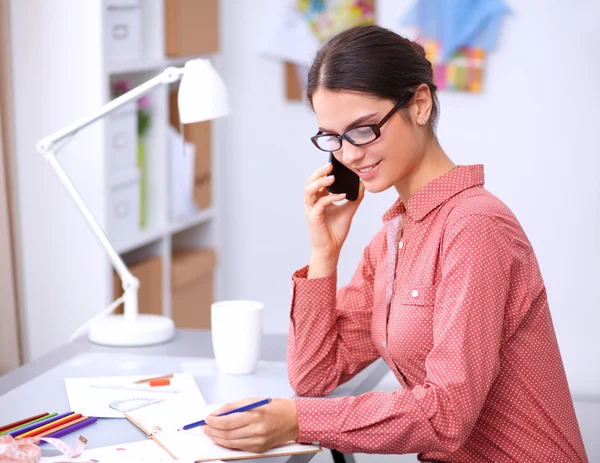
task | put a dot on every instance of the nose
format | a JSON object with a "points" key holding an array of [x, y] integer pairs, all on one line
{"points": [[351, 153]]}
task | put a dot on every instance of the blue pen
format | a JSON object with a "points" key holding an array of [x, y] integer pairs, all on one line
{"points": [[235, 410]]}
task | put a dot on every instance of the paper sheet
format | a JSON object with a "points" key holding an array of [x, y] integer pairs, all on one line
{"points": [[293, 40], [194, 445], [172, 414], [146, 451], [111, 397]]}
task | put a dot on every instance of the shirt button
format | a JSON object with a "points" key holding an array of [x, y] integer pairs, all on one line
{"points": [[414, 293], [384, 344], [400, 244]]}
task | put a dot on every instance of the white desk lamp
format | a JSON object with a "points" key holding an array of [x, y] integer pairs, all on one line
{"points": [[202, 96]]}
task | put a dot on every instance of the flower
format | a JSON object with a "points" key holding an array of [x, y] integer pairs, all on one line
{"points": [[122, 86], [143, 102]]}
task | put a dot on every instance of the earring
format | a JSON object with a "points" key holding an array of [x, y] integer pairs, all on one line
{"points": [[422, 121]]}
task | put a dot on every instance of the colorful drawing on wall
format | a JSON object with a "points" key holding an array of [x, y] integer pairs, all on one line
{"points": [[457, 35], [303, 27], [327, 18]]}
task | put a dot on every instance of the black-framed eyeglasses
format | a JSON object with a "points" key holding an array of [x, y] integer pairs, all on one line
{"points": [[358, 136]]}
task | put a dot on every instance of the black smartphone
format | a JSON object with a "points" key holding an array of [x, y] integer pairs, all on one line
{"points": [[346, 181]]}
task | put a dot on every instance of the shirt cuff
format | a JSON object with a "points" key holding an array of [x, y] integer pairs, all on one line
{"points": [[318, 420], [308, 292], [302, 274], [303, 285]]}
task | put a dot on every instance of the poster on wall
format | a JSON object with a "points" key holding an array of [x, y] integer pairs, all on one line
{"points": [[308, 24], [458, 36]]}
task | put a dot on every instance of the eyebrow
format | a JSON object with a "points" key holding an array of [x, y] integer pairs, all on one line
{"points": [[355, 123]]}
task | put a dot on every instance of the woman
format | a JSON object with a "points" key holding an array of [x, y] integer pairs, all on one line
{"points": [[448, 293]]}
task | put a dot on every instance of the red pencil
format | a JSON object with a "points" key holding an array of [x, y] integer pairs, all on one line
{"points": [[19, 423]]}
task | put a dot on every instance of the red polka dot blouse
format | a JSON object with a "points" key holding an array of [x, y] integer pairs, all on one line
{"points": [[454, 302]]}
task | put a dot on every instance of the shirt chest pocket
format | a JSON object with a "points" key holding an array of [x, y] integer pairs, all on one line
{"points": [[410, 321]]}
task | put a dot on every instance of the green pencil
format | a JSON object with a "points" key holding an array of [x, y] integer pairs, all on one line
{"points": [[28, 424]]}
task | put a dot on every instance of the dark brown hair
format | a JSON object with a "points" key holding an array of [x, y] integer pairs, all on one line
{"points": [[375, 61]]}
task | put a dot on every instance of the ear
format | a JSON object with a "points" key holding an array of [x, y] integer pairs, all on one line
{"points": [[423, 104]]}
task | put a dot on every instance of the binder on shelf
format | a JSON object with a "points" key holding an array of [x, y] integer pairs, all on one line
{"points": [[199, 135], [181, 176]]}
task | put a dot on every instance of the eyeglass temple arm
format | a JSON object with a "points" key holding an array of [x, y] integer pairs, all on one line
{"points": [[401, 103]]}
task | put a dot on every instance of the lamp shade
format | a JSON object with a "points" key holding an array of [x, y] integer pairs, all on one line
{"points": [[202, 93]]}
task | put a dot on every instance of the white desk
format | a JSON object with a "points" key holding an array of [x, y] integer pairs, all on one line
{"points": [[39, 385]]}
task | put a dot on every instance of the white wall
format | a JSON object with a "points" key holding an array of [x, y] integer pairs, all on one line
{"points": [[534, 128], [47, 95]]}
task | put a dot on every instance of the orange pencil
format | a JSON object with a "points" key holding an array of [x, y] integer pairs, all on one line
{"points": [[147, 380], [159, 382], [49, 426], [66, 425]]}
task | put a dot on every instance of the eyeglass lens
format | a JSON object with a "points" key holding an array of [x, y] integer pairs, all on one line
{"points": [[357, 136]]}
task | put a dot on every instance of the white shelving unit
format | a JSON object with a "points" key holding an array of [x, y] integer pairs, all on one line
{"points": [[62, 73]]}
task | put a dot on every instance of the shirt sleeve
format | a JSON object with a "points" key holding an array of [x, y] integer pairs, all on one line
{"points": [[330, 335], [439, 414]]}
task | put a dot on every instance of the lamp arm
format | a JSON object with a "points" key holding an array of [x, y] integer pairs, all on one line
{"points": [[47, 147], [129, 282], [169, 75]]}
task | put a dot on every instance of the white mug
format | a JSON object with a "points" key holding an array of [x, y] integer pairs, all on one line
{"points": [[236, 328]]}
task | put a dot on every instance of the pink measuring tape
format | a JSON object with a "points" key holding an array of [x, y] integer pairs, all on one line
{"points": [[27, 451]]}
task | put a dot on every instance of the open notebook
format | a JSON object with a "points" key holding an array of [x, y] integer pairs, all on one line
{"points": [[161, 421]]}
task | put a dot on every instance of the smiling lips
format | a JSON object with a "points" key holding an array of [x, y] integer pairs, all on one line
{"points": [[364, 170]]}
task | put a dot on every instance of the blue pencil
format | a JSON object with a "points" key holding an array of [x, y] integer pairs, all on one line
{"points": [[235, 410]]}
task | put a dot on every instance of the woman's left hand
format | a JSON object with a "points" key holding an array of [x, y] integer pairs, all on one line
{"points": [[255, 430]]}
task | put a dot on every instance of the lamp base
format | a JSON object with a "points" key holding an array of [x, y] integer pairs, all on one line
{"points": [[143, 330]]}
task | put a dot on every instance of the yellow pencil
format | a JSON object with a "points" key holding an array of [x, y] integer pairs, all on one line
{"points": [[66, 425], [49, 426]]}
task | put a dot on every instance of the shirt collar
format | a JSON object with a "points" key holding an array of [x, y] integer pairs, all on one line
{"points": [[437, 192]]}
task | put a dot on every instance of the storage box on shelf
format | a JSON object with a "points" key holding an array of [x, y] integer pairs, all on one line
{"points": [[123, 30], [192, 287], [191, 27], [150, 293], [125, 204], [126, 174], [122, 138]]}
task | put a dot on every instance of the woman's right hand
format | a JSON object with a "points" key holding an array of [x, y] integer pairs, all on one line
{"points": [[329, 223]]}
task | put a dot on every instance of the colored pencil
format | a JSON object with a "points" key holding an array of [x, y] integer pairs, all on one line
{"points": [[235, 410], [66, 425], [73, 428], [159, 382], [147, 380], [37, 425], [28, 424], [50, 426], [16, 424]]}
